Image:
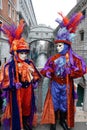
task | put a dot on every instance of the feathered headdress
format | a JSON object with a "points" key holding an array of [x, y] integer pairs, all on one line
{"points": [[14, 35], [67, 28]]}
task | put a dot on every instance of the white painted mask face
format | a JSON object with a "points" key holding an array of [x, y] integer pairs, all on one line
{"points": [[22, 55], [60, 47]]}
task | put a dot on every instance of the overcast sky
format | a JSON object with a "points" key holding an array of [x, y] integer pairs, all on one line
{"points": [[46, 10]]}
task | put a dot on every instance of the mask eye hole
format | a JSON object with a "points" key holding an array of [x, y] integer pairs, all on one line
{"points": [[23, 52], [60, 45]]}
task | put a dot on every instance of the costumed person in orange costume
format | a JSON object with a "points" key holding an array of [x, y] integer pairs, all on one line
{"points": [[18, 79], [62, 68]]}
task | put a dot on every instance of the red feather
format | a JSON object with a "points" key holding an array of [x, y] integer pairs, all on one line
{"points": [[20, 28], [65, 19], [13, 32], [74, 23]]}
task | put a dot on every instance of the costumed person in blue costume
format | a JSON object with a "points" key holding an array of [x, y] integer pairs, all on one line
{"points": [[18, 79], [62, 68]]}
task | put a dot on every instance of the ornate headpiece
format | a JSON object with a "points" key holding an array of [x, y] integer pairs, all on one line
{"points": [[68, 27], [15, 39]]}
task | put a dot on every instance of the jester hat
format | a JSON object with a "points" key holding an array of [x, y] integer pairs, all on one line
{"points": [[67, 28], [14, 34]]}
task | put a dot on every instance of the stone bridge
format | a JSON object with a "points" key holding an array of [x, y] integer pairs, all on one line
{"points": [[41, 32]]}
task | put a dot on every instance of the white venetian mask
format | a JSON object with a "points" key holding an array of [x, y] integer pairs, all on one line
{"points": [[60, 47], [22, 55]]}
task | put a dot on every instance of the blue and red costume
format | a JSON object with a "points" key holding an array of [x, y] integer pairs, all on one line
{"points": [[62, 68]]}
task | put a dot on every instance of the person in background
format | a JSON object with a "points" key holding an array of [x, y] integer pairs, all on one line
{"points": [[62, 68], [18, 79]]}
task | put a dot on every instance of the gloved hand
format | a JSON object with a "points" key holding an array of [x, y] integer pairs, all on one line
{"points": [[48, 74], [18, 85], [35, 85]]}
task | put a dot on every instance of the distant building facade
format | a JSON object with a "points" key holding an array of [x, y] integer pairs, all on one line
{"points": [[80, 43], [8, 14], [80, 47], [11, 11], [26, 11]]}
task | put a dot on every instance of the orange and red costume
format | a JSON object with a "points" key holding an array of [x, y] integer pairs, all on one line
{"points": [[24, 94], [18, 79]]}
